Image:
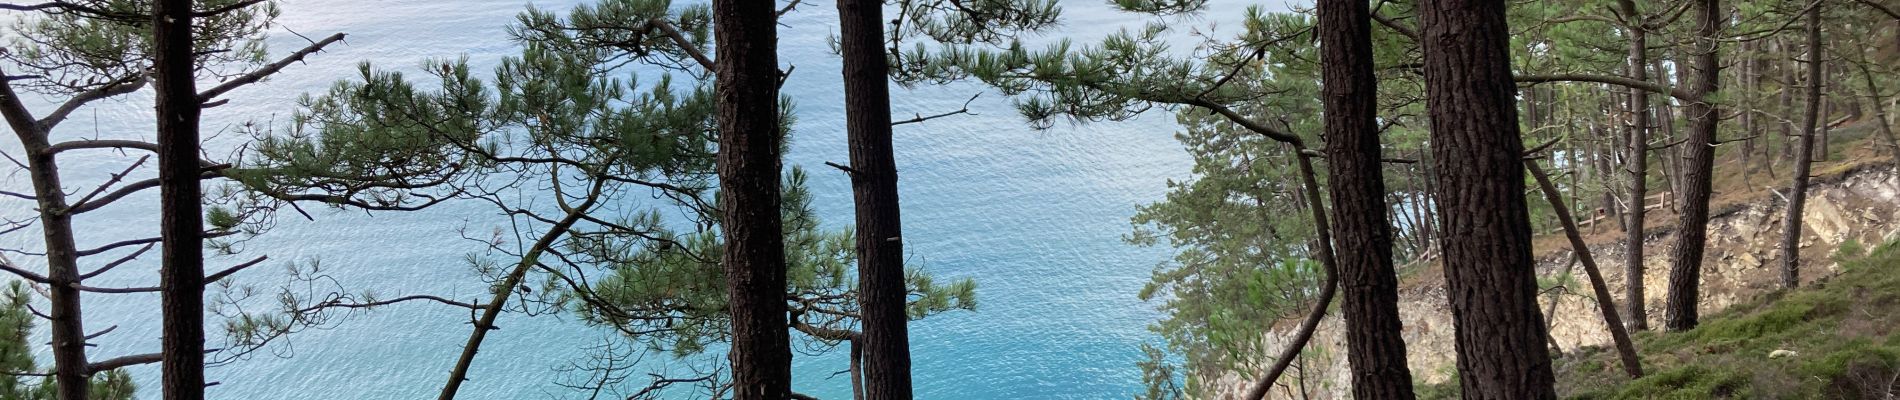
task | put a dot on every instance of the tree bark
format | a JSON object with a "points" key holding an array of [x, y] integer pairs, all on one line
{"points": [[1798, 192], [1685, 275], [1638, 175], [1625, 349], [1375, 347], [1486, 232], [746, 90], [181, 226], [70, 374], [880, 245]]}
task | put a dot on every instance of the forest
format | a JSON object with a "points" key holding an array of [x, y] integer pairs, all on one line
{"points": [[632, 199]]}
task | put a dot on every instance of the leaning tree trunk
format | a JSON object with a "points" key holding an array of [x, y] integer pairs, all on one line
{"points": [[1328, 283], [746, 90], [885, 341], [70, 372], [1375, 347], [1685, 276], [1625, 349], [1879, 105], [181, 225], [1486, 232], [1639, 176], [1798, 192]]}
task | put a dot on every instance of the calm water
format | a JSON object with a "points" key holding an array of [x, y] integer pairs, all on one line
{"points": [[1034, 217]]}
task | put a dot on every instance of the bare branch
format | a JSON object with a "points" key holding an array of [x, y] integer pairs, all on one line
{"points": [[209, 279], [62, 7], [23, 196], [111, 290], [1883, 8], [118, 87], [680, 40], [115, 178], [116, 263], [108, 329], [56, 148], [1396, 27], [340, 304], [267, 70], [135, 242], [225, 9], [124, 361], [24, 274], [1250, 124], [1652, 87], [847, 170], [921, 118], [789, 7], [84, 205]]}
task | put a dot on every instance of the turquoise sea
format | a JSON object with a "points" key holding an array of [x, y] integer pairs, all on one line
{"points": [[1035, 217]]}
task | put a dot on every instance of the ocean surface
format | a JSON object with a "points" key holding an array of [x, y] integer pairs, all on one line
{"points": [[1035, 217]]}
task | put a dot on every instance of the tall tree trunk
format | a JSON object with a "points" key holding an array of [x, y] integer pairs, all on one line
{"points": [[181, 225], [1879, 105], [1821, 140], [880, 246], [1638, 165], [1748, 76], [1798, 192], [1602, 162], [1670, 156], [1375, 347], [1487, 231], [70, 373], [1787, 104], [1685, 276], [1625, 349], [746, 90]]}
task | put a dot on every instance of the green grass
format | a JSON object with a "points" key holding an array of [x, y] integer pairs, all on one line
{"points": [[1841, 332]]}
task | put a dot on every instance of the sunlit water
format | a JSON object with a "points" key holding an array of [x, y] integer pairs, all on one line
{"points": [[1034, 216]]}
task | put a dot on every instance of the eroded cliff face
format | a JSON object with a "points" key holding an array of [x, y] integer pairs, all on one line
{"points": [[1859, 204]]}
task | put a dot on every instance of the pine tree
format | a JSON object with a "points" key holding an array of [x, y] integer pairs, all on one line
{"points": [[1349, 91], [81, 52], [1489, 273], [885, 339]]}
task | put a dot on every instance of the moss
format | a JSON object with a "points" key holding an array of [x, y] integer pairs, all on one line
{"points": [[1740, 332], [1688, 382], [1840, 330], [1848, 250], [1447, 390]]}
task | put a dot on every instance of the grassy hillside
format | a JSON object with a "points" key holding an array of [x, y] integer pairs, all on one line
{"points": [[1832, 340]]}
